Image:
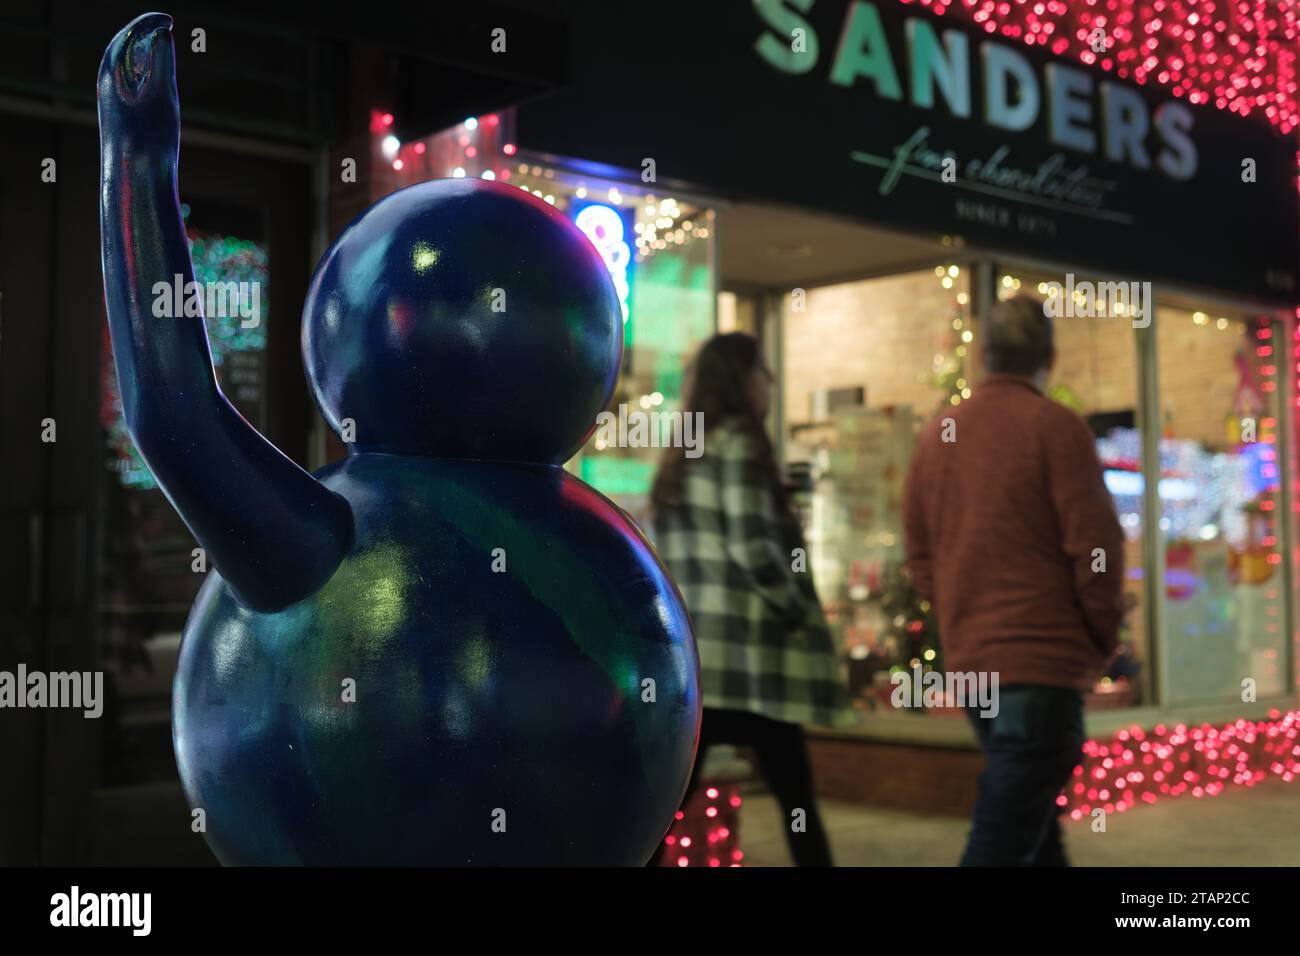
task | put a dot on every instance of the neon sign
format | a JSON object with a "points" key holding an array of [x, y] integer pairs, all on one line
{"points": [[604, 226]]}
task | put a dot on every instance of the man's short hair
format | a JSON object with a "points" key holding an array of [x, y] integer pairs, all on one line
{"points": [[1018, 336]]}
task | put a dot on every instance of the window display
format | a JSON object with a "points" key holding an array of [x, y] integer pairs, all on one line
{"points": [[237, 344], [1220, 497], [900, 354], [866, 364], [1096, 375]]}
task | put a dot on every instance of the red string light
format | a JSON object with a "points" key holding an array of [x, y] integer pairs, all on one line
{"points": [[706, 832], [1240, 55], [1138, 766]]}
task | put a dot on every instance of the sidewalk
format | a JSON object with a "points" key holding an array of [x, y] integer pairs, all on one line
{"points": [[1237, 828]]}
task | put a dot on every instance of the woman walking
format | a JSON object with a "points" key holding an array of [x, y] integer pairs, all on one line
{"points": [[724, 526]]}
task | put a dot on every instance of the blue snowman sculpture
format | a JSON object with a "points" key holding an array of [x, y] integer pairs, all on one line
{"points": [[445, 649]]}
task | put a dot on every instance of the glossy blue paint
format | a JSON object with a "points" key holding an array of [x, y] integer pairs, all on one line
{"points": [[437, 651], [463, 318]]}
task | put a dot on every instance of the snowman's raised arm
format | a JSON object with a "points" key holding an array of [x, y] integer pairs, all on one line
{"points": [[272, 530]]}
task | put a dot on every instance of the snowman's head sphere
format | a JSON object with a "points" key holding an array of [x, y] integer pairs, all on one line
{"points": [[463, 318]]}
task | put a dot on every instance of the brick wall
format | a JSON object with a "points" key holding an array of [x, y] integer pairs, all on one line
{"points": [[1197, 372], [880, 333], [918, 777], [884, 333], [1097, 360]]}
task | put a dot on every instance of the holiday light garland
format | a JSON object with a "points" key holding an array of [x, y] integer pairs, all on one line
{"points": [[1138, 766], [706, 831], [1241, 56]]}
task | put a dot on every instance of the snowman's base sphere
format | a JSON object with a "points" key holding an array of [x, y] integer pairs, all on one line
{"points": [[470, 688]]}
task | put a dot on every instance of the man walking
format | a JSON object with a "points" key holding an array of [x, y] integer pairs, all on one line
{"points": [[1012, 536]]}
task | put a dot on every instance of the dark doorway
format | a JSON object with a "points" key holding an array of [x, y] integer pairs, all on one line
{"points": [[99, 572]]}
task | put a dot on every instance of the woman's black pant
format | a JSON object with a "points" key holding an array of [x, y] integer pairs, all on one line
{"points": [[782, 759]]}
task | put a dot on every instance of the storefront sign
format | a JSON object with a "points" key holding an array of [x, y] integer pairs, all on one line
{"points": [[606, 227], [886, 112]]}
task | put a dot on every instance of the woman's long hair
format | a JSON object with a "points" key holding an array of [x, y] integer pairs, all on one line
{"points": [[718, 386]]}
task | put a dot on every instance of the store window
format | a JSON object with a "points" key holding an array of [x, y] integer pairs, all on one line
{"points": [[1289, 358], [866, 364], [1097, 375], [658, 247], [1224, 614], [738, 312]]}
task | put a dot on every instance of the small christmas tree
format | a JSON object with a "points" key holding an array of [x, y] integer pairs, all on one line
{"points": [[910, 635]]}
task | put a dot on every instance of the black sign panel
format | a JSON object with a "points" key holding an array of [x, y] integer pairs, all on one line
{"points": [[886, 112]]}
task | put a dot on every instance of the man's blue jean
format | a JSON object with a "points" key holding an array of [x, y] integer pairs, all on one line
{"points": [[1031, 748]]}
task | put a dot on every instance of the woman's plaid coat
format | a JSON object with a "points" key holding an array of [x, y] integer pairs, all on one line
{"points": [[763, 640]]}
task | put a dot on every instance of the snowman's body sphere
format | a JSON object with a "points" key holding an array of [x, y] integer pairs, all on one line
{"points": [[499, 716]]}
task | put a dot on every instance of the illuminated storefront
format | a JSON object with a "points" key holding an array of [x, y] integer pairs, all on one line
{"points": [[1026, 146], [984, 152], [1216, 387]]}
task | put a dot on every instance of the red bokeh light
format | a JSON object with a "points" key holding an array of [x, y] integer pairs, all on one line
{"points": [[1257, 748]]}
